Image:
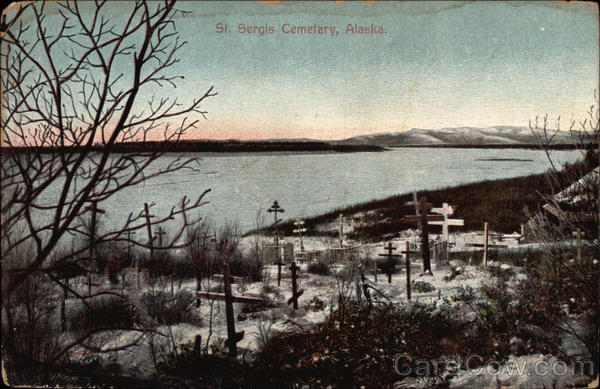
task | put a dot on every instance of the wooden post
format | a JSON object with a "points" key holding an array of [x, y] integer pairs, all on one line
{"points": [[231, 335], [149, 229], [407, 251], [375, 270], [198, 346], [424, 237], [341, 231], [390, 260], [279, 265], [92, 252], [365, 287], [485, 243], [578, 234]]}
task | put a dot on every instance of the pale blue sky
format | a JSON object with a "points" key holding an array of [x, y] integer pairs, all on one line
{"points": [[440, 64]]}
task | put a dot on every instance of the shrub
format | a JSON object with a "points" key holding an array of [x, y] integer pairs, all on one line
{"points": [[422, 287], [319, 267], [103, 312], [167, 309]]}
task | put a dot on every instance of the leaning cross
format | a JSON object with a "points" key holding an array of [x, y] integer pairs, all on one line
{"points": [[295, 292], [407, 251], [390, 260]]}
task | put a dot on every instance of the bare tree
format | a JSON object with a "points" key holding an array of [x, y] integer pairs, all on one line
{"points": [[77, 85], [570, 274]]}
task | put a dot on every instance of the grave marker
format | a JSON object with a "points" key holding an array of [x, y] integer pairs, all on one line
{"points": [[407, 251], [233, 337], [295, 292], [275, 209], [389, 265], [299, 230], [445, 211]]}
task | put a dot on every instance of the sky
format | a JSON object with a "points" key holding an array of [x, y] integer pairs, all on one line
{"points": [[438, 64]]}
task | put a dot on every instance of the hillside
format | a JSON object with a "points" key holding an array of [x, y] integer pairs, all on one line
{"points": [[475, 136]]}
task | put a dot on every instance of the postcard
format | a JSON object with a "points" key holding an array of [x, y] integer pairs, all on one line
{"points": [[299, 194]]}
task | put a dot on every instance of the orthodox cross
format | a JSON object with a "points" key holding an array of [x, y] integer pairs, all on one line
{"points": [[275, 209]]}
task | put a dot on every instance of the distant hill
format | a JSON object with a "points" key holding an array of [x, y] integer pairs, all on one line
{"points": [[217, 146], [474, 136]]}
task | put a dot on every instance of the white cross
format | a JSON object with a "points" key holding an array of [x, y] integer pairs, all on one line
{"points": [[446, 210]]}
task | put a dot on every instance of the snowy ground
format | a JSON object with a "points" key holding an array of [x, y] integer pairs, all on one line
{"points": [[137, 361]]}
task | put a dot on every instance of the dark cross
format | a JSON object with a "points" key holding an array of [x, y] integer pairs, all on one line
{"points": [[407, 251], [92, 249], [147, 215], [275, 208], [295, 292], [389, 264], [422, 219], [159, 234]]}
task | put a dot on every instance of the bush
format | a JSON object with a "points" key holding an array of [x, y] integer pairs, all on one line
{"points": [[167, 309], [103, 312], [422, 287], [319, 267], [359, 353]]}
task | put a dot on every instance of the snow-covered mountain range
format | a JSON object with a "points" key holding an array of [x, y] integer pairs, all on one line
{"points": [[497, 135]]}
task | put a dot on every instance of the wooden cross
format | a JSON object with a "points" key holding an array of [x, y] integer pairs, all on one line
{"points": [[299, 230], [446, 211], [389, 265], [407, 251], [275, 208], [295, 292], [233, 337], [159, 234], [422, 219]]}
